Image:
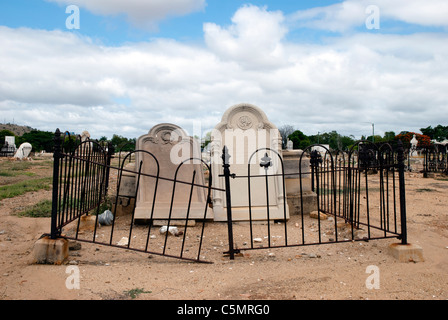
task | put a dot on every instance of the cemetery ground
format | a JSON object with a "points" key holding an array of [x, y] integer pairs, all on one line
{"points": [[329, 272]]}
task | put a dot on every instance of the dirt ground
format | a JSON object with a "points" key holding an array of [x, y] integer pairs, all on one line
{"points": [[319, 272]]}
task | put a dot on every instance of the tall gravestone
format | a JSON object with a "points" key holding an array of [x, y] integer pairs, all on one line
{"points": [[244, 129], [171, 146]]}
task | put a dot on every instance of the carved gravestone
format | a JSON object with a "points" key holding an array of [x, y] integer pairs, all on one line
{"points": [[164, 153], [244, 129]]}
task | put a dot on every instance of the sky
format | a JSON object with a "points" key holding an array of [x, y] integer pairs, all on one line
{"points": [[121, 67]]}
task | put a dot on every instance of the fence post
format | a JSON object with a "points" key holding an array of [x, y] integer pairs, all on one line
{"points": [[400, 160], [226, 166], [54, 204], [110, 155]]}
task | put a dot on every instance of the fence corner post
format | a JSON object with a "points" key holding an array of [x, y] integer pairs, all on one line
{"points": [[402, 191], [54, 203], [226, 167], [110, 155]]}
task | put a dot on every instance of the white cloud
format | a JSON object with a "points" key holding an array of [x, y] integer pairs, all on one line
{"points": [[254, 38], [349, 14], [338, 17], [142, 13], [56, 79]]}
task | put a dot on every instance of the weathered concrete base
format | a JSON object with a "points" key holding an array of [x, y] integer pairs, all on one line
{"points": [[309, 203], [124, 206], [406, 252], [87, 223], [50, 251]]}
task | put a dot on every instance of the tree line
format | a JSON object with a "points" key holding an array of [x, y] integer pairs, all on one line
{"points": [[337, 141], [43, 140]]}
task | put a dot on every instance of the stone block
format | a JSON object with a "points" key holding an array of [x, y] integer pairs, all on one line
{"points": [[87, 223], [309, 201], [50, 251], [318, 215], [124, 206], [406, 252]]}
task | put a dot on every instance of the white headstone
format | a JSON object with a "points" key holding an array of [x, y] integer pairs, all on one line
{"points": [[23, 151], [244, 129], [10, 140], [289, 145]]}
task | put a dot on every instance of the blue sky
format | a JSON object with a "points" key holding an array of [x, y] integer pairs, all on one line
{"points": [[116, 29], [314, 65]]}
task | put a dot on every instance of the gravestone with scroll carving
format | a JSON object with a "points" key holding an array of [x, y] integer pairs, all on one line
{"points": [[244, 129], [172, 149]]}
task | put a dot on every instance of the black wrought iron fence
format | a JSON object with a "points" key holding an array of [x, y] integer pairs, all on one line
{"points": [[7, 150], [84, 211], [360, 197], [436, 158], [80, 179]]}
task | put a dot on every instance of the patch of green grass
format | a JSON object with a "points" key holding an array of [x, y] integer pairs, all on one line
{"points": [[22, 187], [134, 293], [4, 173], [41, 209], [426, 190]]}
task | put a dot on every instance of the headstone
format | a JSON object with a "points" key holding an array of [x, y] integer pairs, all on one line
{"points": [[322, 149], [23, 151], [9, 147], [244, 129], [10, 140], [86, 147], [289, 145], [171, 146], [85, 135]]}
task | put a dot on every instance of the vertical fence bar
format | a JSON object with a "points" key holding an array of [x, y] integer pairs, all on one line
{"points": [[110, 155], [226, 167], [54, 204], [401, 182]]}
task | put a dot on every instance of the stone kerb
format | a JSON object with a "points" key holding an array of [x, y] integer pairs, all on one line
{"points": [[244, 129]]}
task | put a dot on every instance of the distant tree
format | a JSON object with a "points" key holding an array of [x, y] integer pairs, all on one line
{"points": [[122, 143], [40, 140], [376, 138], [423, 140], [207, 139], [438, 133], [285, 131], [335, 140], [299, 140], [389, 136]]}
